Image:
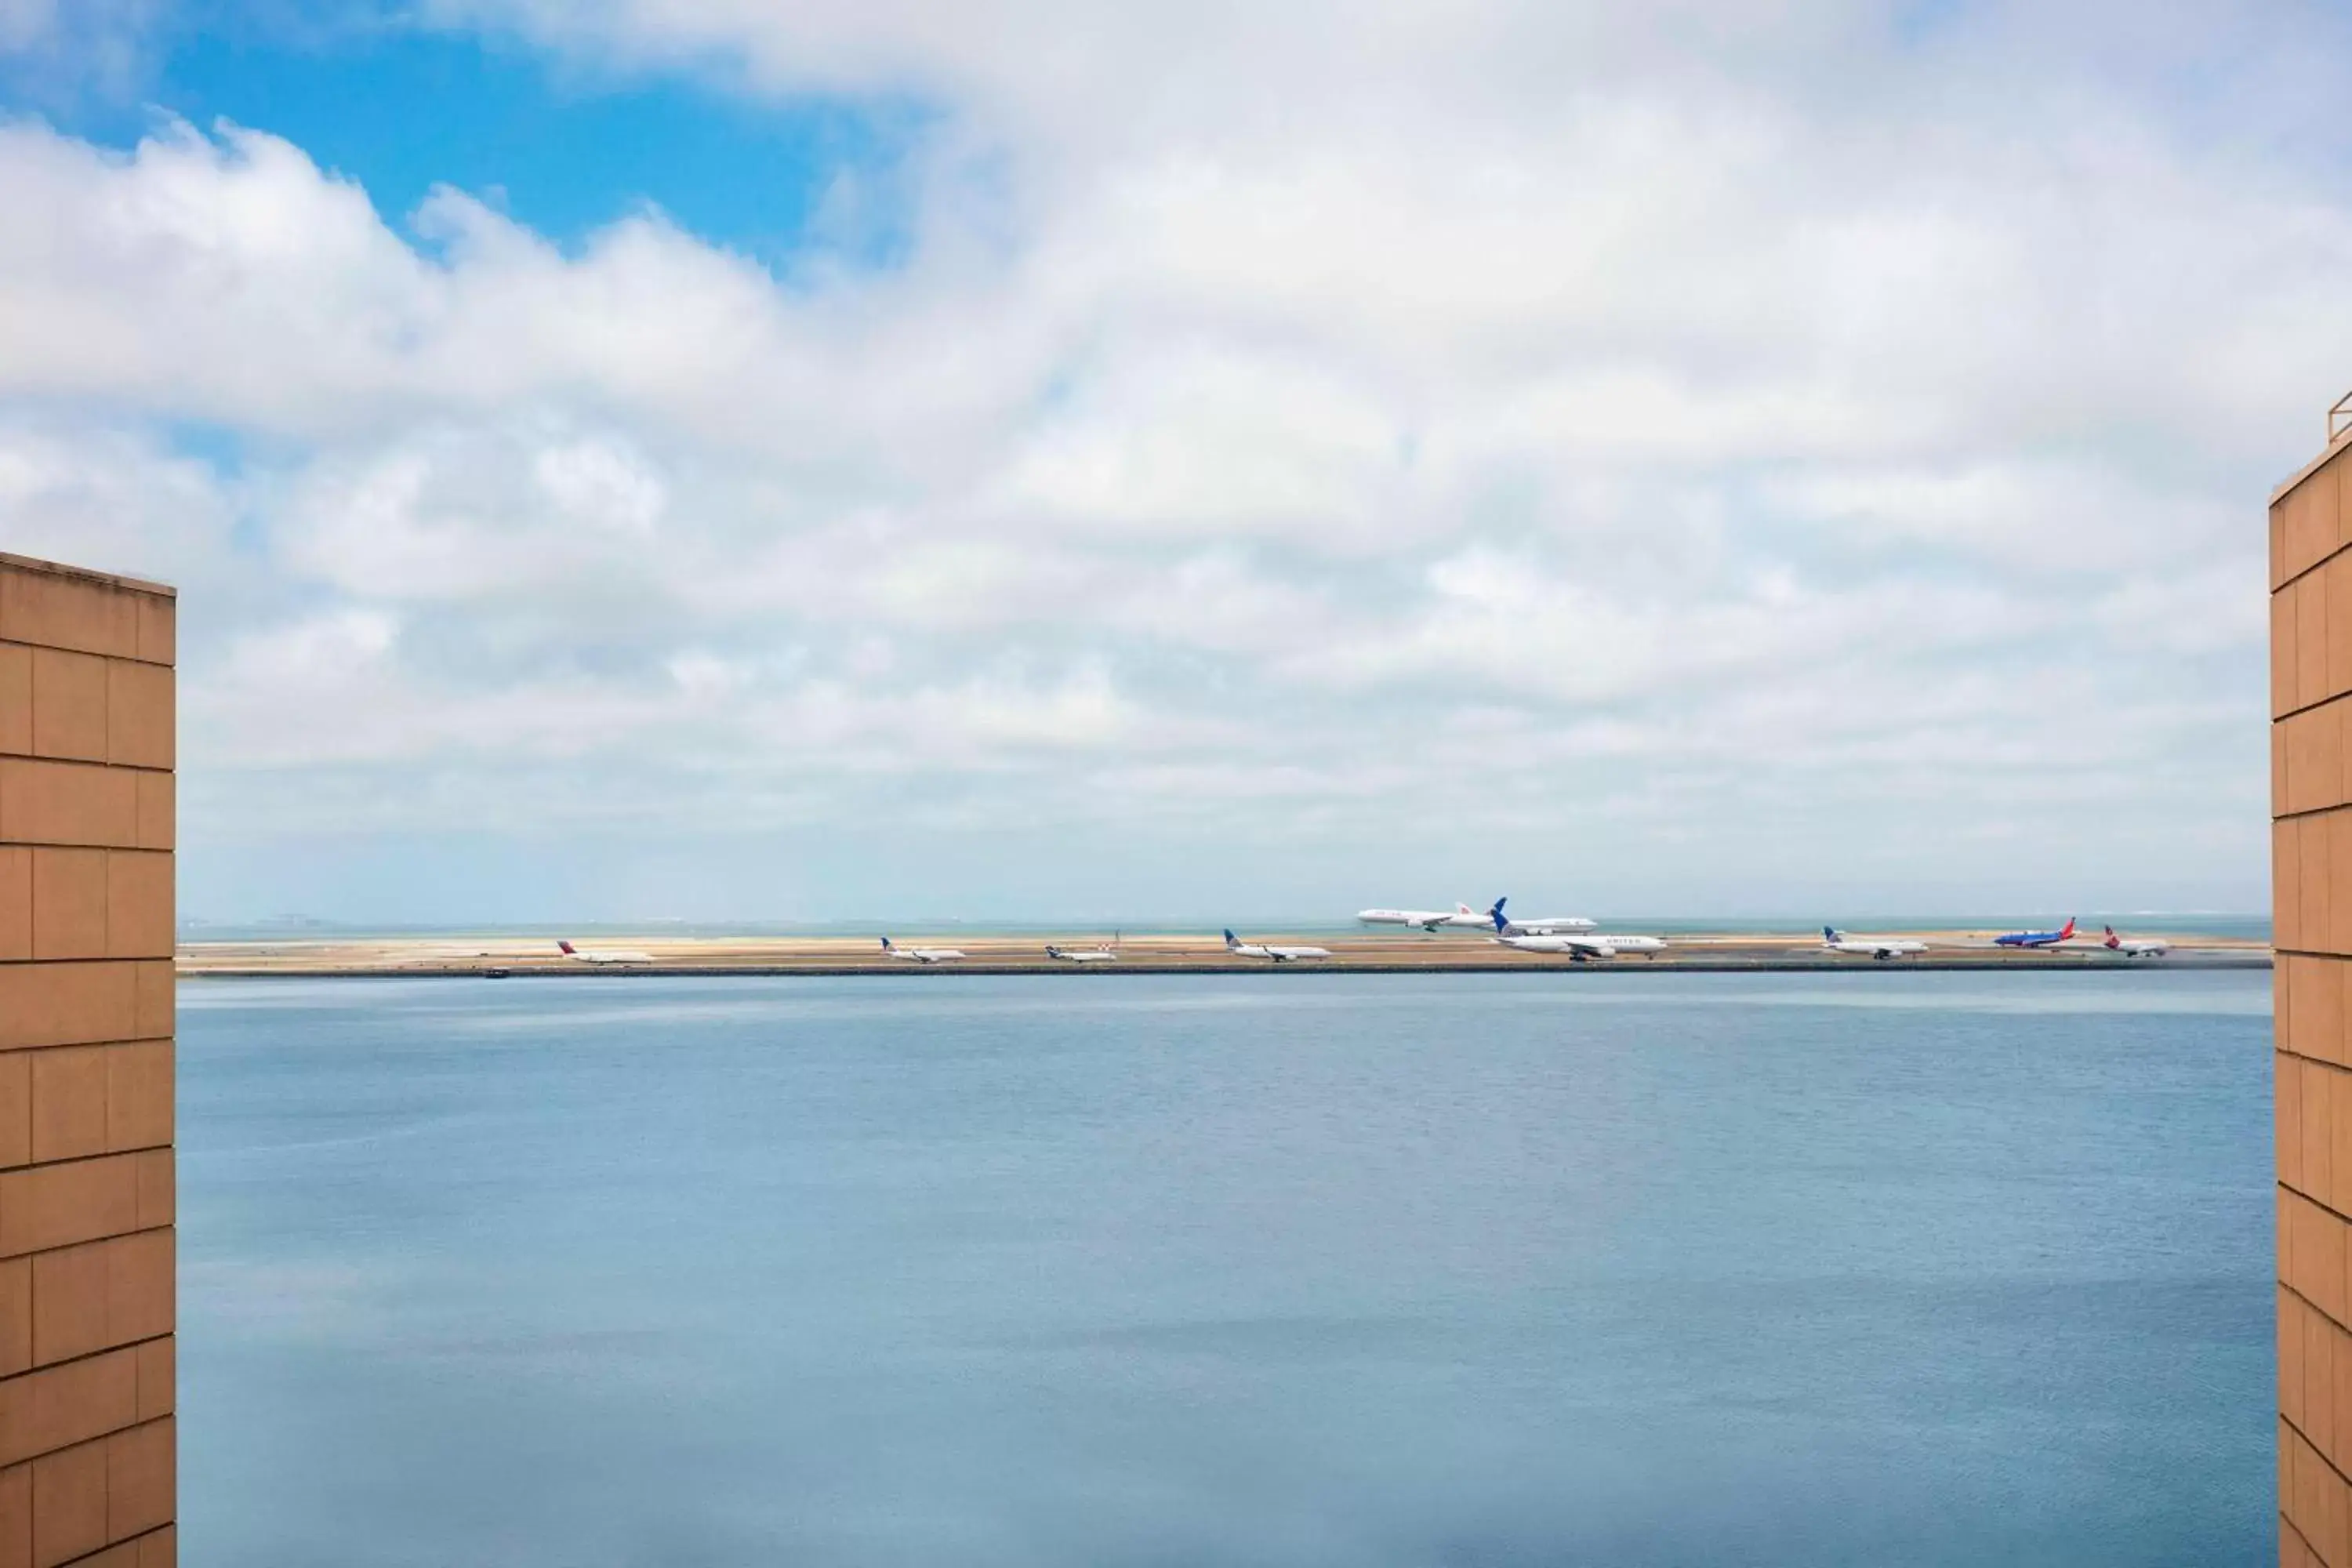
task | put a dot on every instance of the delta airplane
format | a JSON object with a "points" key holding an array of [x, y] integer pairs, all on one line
{"points": [[605, 955], [1081, 954], [1577, 948], [921, 955], [2130, 948], [1878, 947], [1241, 949], [2037, 938], [1427, 919], [1552, 926]]}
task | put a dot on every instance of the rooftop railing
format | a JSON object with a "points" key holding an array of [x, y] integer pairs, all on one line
{"points": [[2339, 418]]}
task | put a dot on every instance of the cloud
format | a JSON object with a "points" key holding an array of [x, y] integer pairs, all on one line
{"points": [[1668, 428]]}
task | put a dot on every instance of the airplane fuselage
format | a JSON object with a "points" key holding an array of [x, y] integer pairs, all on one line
{"points": [[1584, 947], [1880, 948], [2037, 938], [1427, 919], [603, 956], [1241, 949], [921, 954], [1551, 925]]}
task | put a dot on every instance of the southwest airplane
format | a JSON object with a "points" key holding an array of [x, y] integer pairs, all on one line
{"points": [[1577, 948], [922, 955], [1081, 955], [1878, 947], [607, 955], [2130, 948], [1427, 919], [1552, 926], [1241, 949], [2037, 938]]}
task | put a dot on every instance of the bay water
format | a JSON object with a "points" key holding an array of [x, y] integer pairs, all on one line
{"points": [[1268, 1270]]}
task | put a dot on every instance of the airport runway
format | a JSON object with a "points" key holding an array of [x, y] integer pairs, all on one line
{"points": [[1189, 954]]}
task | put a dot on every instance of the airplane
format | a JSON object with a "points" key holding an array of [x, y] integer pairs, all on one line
{"points": [[1577, 948], [921, 955], [603, 955], [1552, 926], [1427, 919], [2130, 948], [2037, 938], [1878, 947], [1081, 955], [1241, 949]]}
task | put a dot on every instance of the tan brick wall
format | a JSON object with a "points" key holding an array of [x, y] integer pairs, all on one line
{"points": [[87, 1449]]}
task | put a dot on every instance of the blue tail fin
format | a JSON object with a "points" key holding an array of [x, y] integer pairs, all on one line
{"points": [[1496, 914], [1231, 940], [1829, 933]]}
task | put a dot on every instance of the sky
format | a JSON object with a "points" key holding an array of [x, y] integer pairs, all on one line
{"points": [[738, 460]]}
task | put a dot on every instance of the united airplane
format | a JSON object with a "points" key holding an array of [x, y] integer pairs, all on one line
{"points": [[1577, 948], [602, 955], [2145, 947], [2037, 938], [1241, 949], [921, 955], [1552, 925], [1427, 919], [1878, 947]]}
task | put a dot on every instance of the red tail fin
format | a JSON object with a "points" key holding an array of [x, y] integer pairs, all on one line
{"points": [[2069, 931], [567, 949]]}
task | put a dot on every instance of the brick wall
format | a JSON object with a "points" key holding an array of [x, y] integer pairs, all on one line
{"points": [[86, 1442]]}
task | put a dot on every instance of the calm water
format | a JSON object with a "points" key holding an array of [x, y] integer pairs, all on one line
{"points": [[1277, 1270]]}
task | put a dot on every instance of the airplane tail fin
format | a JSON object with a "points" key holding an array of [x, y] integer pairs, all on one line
{"points": [[2068, 933], [1231, 940], [566, 949], [886, 947], [1829, 933], [1461, 909], [2113, 940]]}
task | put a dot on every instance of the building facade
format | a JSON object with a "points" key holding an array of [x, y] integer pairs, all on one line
{"points": [[87, 1449]]}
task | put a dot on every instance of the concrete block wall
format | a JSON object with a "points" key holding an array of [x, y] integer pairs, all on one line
{"points": [[88, 1448]]}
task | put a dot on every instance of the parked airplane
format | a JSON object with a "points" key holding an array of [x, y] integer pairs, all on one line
{"points": [[921, 955], [2146, 947], [2037, 938], [1577, 948], [1552, 926], [1427, 919], [602, 955], [1081, 954], [1878, 947], [1241, 949]]}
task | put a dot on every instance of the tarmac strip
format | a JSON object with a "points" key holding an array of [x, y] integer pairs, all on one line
{"points": [[845, 957]]}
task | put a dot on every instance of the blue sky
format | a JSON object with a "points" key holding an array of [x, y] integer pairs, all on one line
{"points": [[729, 461], [565, 149]]}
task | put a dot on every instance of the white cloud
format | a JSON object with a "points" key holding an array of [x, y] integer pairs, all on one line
{"points": [[1704, 416]]}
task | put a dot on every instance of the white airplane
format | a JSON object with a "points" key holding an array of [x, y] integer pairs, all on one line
{"points": [[602, 955], [1577, 948], [1081, 954], [1241, 949], [1878, 947], [1551, 926], [922, 955], [1427, 919], [2145, 947]]}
